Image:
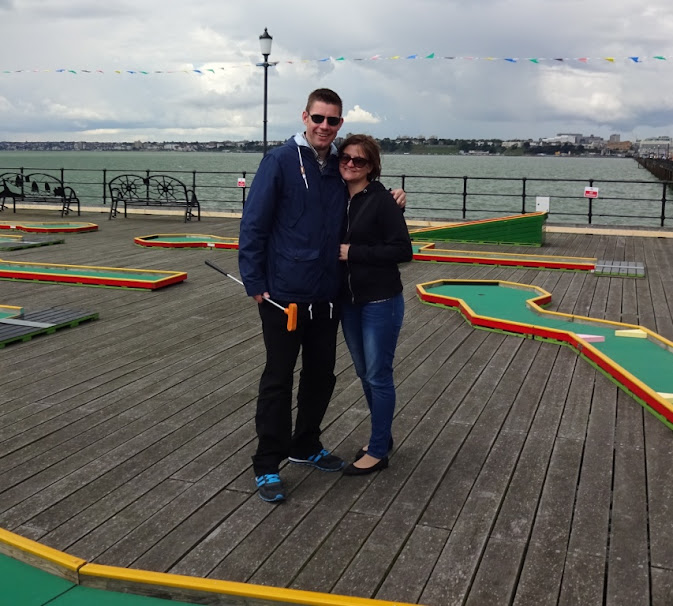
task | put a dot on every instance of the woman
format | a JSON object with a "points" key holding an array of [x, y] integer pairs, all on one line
{"points": [[376, 240]]}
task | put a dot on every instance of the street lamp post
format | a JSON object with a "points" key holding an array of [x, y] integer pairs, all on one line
{"points": [[265, 41]]}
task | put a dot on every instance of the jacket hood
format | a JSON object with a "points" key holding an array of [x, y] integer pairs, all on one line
{"points": [[300, 140]]}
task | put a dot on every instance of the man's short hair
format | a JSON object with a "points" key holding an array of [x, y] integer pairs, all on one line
{"points": [[325, 95]]}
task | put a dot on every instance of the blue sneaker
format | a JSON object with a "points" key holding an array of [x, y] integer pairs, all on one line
{"points": [[324, 461], [270, 488]]}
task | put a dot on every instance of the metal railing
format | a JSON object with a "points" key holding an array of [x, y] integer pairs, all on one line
{"points": [[620, 202], [438, 198]]}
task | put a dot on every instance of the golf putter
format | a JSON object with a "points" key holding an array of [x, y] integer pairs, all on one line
{"points": [[290, 311]]}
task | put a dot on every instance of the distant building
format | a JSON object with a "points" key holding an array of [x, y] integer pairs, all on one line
{"points": [[575, 137], [618, 147], [657, 147], [592, 141], [559, 139], [614, 138]]}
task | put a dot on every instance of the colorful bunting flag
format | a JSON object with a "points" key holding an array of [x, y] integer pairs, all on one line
{"points": [[341, 59]]}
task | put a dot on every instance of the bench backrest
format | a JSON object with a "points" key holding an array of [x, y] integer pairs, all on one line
{"points": [[38, 185], [159, 188]]}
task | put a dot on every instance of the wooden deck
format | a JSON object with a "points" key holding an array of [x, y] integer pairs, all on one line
{"points": [[520, 474]]}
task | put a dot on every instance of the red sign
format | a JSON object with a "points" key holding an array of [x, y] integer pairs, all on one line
{"points": [[591, 192], [241, 182]]}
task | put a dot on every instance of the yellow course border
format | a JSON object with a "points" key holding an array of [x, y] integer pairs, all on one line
{"points": [[160, 584], [9, 311]]}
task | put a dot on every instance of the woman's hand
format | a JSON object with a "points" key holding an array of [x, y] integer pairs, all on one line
{"points": [[343, 252]]}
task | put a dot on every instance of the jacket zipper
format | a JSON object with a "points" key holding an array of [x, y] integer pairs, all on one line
{"points": [[348, 265]]}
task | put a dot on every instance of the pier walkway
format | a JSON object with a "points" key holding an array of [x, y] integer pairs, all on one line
{"points": [[521, 475]]}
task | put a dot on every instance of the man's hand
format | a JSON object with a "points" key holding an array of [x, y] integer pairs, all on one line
{"points": [[400, 197], [260, 298]]}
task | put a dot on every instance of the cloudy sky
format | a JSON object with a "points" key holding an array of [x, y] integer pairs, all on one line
{"points": [[468, 96]]}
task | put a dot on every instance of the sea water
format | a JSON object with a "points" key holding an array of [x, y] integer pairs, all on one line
{"points": [[436, 185]]}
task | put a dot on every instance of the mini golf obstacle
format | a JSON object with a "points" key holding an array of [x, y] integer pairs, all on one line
{"points": [[12, 242], [35, 575], [637, 359], [86, 275], [522, 230], [427, 251], [52, 227], [423, 251], [15, 325], [187, 241]]}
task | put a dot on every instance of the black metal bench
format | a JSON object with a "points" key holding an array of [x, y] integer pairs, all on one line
{"points": [[156, 190], [37, 188]]}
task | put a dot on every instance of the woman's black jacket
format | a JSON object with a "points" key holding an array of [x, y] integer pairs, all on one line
{"points": [[379, 240]]}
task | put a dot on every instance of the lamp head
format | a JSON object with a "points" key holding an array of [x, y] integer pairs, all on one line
{"points": [[265, 41]]}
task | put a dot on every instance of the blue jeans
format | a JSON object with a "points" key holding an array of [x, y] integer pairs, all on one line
{"points": [[371, 331]]}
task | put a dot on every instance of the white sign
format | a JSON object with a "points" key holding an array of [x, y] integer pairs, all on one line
{"points": [[542, 204], [241, 182], [591, 192]]}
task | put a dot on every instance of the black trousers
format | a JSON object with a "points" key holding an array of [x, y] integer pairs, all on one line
{"points": [[316, 338]]}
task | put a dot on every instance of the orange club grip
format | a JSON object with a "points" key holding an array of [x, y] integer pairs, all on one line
{"points": [[291, 313]]}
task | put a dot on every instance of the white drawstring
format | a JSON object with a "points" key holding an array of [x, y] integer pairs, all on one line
{"points": [[310, 310], [301, 167]]}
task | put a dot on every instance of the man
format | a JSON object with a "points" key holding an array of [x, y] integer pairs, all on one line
{"points": [[289, 251]]}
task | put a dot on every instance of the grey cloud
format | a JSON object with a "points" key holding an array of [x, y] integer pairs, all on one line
{"points": [[451, 98]]}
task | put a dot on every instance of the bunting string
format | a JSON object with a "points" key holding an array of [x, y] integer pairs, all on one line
{"points": [[432, 56]]}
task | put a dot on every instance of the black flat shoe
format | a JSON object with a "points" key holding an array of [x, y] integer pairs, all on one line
{"points": [[362, 452], [351, 470]]}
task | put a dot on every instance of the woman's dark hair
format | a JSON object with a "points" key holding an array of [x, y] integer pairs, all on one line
{"points": [[371, 150]]}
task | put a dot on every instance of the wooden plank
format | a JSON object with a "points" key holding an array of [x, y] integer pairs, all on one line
{"points": [[628, 579], [659, 491], [414, 565], [490, 573], [662, 586], [457, 564], [585, 566], [542, 569], [324, 570]]}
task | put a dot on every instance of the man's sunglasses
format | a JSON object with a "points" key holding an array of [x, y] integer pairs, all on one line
{"points": [[331, 120], [358, 161]]}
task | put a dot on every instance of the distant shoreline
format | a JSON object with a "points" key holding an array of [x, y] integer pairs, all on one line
{"points": [[384, 153]]}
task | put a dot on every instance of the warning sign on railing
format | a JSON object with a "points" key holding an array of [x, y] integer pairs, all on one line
{"points": [[241, 182], [591, 192]]}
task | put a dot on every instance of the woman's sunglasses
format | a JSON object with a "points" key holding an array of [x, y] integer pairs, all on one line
{"points": [[331, 120], [358, 161]]}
